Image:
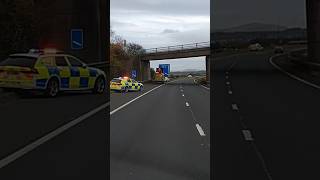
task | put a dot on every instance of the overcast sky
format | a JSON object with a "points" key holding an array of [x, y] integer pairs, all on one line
{"points": [[229, 13], [157, 23]]}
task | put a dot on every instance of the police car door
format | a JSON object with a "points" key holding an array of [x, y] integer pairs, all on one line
{"points": [[64, 71], [79, 74], [130, 84], [134, 84]]}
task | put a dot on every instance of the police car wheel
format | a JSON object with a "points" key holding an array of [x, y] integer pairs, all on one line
{"points": [[141, 88], [52, 88], [125, 89], [99, 86]]}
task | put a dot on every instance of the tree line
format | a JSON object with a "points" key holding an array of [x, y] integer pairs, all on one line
{"points": [[124, 56], [18, 26]]}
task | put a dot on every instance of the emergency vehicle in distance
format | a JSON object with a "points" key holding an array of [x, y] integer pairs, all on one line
{"points": [[50, 71], [162, 73], [125, 84]]}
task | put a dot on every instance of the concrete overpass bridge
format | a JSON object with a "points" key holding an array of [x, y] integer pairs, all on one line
{"points": [[172, 52]]}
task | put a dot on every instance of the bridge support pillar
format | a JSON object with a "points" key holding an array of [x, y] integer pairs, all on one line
{"points": [[145, 71], [313, 24], [208, 68]]}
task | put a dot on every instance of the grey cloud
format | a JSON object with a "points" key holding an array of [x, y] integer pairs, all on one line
{"points": [[121, 24], [165, 7], [162, 23], [194, 36], [169, 31]]}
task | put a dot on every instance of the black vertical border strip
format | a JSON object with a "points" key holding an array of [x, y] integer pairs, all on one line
{"points": [[211, 89], [105, 54]]}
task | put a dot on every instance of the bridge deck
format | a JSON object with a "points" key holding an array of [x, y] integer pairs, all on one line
{"points": [[175, 52]]}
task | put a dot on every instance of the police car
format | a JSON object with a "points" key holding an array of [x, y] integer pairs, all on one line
{"points": [[125, 84], [50, 72]]}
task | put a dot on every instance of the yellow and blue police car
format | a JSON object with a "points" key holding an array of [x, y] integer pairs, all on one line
{"points": [[50, 72], [125, 84]]}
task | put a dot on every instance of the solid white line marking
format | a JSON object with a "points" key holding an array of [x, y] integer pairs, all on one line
{"points": [[200, 130], [187, 104], [201, 85], [291, 75], [14, 156], [235, 107], [228, 83], [126, 104], [183, 95], [227, 77], [230, 92], [247, 135], [205, 87]]}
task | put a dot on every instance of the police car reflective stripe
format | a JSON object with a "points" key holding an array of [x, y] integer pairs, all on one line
{"points": [[134, 86], [70, 77]]}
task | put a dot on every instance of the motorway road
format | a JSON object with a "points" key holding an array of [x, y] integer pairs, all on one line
{"points": [[156, 136], [78, 153], [118, 99], [271, 131]]}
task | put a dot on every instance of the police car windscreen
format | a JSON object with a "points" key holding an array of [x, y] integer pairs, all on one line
{"points": [[20, 61], [116, 80]]}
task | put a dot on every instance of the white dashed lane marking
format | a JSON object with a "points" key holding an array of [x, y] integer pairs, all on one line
{"points": [[235, 107], [247, 135], [200, 130]]}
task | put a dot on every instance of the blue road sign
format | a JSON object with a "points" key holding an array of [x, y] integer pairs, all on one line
{"points": [[134, 74], [76, 39], [165, 69]]}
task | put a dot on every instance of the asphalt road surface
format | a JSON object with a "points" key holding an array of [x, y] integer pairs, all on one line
{"points": [[164, 134], [79, 152], [265, 124], [118, 99]]}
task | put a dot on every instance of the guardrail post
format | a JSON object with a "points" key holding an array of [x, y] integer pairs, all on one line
{"points": [[196, 45]]}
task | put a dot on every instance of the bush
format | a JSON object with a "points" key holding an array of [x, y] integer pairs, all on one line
{"points": [[202, 80]]}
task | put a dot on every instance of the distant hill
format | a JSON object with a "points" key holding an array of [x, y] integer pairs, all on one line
{"points": [[188, 71], [254, 27]]}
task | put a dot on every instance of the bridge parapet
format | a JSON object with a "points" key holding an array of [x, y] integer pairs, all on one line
{"points": [[178, 48], [176, 52]]}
